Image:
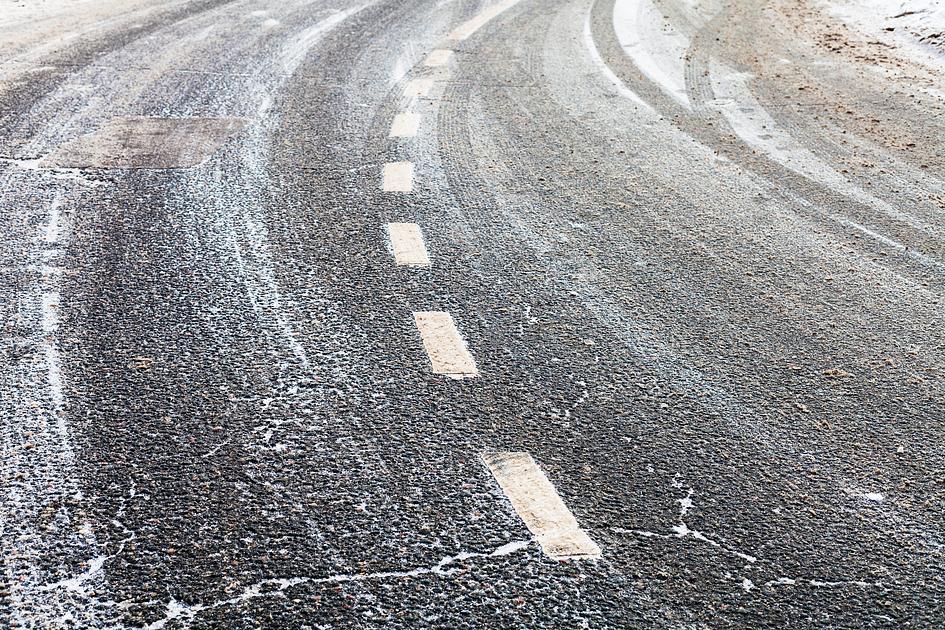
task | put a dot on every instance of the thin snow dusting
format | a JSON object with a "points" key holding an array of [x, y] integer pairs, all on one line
{"points": [[37, 454], [752, 123], [294, 53], [54, 568]]}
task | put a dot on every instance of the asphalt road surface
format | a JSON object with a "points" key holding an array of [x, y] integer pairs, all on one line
{"points": [[459, 314]]}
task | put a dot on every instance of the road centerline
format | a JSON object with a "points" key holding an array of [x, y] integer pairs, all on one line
{"points": [[418, 88], [405, 125], [437, 58], [406, 241], [536, 501], [444, 345], [398, 177]]}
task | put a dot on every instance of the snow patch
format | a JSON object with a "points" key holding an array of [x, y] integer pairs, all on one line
{"points": [[656, 47]]}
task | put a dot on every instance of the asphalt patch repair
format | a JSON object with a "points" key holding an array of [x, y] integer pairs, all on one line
{"points": [[143, 142]]}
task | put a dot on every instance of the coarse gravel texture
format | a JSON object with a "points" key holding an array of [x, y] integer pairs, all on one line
{"points": [[713, 317]]}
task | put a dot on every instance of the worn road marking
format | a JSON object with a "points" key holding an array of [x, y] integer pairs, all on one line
{"points": [[472, 25], [537, 502], [444, 345], [398, 177], [406, 240], [438, 58], [418, 87], [405, 125]]}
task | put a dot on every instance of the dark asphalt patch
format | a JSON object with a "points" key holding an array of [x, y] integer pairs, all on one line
{"points": [[140, 142]]}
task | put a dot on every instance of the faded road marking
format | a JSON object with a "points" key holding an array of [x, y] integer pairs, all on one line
{"points": [[444, 345], [418, 87], [537, 502], [406, 241], [405, 125], [438, 58], [472, 25], [398, 177]]}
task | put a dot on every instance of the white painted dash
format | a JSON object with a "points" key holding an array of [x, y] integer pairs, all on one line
{"points": [[418, 88], [444, 345], [406, 241], [438, 58], [405, 125], [472, 25], [538, 504], [398, 177]]}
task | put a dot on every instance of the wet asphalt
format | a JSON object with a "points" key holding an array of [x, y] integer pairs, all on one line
{"points": [[216, 409]]}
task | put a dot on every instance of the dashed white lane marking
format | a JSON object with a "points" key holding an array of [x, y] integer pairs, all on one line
{"points": [[398, 177], [537, 502], [406, 241], [405, 125], [418, 87], [438, 58], [444, 345], [472, 25]]}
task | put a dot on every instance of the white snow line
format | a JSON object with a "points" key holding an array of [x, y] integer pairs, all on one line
{"points": [[444, 345], [538, 504], [654, 45], [682, 529], [50, 311], [919, 257], [294, 54], [472, 25], [277, 586], [755, 126], [601, 65], [51, 234]]}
